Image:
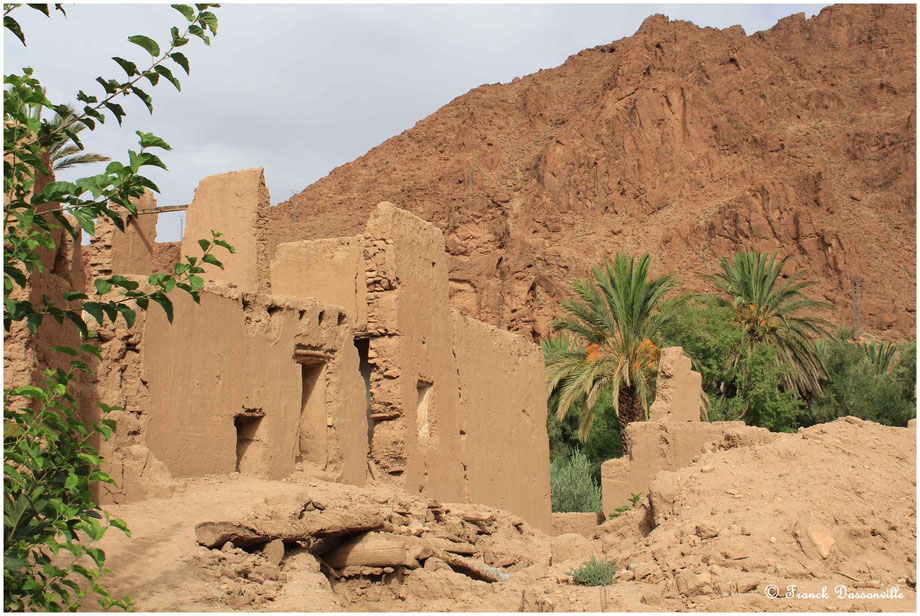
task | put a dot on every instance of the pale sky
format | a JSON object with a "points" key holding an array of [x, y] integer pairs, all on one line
{"points": [[302, 89]]}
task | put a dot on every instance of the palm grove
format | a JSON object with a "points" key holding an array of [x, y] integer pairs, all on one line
{"points": [[766, 354]]}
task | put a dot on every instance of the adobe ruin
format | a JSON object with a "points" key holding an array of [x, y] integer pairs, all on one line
{"points": [[338, 354], [673, 437]]}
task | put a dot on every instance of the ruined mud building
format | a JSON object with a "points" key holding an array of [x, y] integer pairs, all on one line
{"points": [[342, 356]]}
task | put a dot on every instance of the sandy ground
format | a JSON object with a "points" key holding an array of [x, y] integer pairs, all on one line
{"points": [[829, 507]]}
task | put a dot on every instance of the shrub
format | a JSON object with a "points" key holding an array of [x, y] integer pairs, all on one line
{"points": [[603, 443], [594, 573], [572, 487], [860, 386]]}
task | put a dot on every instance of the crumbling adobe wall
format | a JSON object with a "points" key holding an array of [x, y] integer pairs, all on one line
{"points": [[25, 354], [503, 404], [415, 399], [111, 251], [673, 437], [235, 204], [667, 446], [678, 394], [330, 270], [230, 366], [354, 364]]}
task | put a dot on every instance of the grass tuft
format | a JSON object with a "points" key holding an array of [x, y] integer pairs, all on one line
{"points": [[594, 573]]}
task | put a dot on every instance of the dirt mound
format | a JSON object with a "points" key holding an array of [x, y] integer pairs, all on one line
{"points": [[688, 143], [832, 506]]}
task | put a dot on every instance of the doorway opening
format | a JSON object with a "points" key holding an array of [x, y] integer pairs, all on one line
{"points": [[313, 420], [248, 442]]}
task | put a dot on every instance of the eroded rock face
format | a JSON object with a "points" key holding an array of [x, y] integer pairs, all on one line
{"points": [[683, 142]]}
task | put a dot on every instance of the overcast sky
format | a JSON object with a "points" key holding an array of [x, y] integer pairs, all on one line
{"points": [[302, 89]]}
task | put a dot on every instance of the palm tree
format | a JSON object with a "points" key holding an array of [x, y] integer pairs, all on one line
{"points": [[64, 151], [769, 310], [606, 341], [879, 354]]}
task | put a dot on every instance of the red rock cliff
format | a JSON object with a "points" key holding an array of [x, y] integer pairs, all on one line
{"points": [[688, 143]]}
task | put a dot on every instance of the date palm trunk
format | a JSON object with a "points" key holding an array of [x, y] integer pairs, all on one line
{"points": [[630, 410]]}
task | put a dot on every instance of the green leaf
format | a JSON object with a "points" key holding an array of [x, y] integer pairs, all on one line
{"points": [[127, 313], [78, 321], [147, 43], [120, 525], [116, 110], [95, 310], [210, 20], [181, 60], [13, 26], [164, 303], [144, 97], [102, 286], [197, 31], [167, 74], [129, 67], [93, 350], [97, 555], [41, 8], [65, 349], [209, 258], [187, 11], [205, 244], [149, 140]]}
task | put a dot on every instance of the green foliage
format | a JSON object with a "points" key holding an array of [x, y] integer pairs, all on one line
{"points": [[869, 385], [633, 500], [594, 573], [772, 310], [603, 442], [704, 327], [572, 488], [608, 337], [759, 397], [879, 354], [49, 466], [49, 460]]}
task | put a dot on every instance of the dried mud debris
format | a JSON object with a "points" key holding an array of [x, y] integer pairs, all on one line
{"points": [[831, 505]]}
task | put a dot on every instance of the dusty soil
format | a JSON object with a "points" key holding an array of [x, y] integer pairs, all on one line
{"points": [[832, 505], [688, 143]]}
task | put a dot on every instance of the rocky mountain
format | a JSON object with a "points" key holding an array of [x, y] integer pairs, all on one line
{"points": [[684, 142]]}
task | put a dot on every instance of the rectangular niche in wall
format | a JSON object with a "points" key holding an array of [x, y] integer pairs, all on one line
{"points": [[250, 447], [423, 408], [313, 419]]}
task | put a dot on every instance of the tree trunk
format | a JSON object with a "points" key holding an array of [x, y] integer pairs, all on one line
{"points": [[630, 410]]}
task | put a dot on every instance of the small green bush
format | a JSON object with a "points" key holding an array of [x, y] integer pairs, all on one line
{"points": [[572, 487], [594, 573]]}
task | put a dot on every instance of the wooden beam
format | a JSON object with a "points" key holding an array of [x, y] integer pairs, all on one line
{"points": [[160, 210]]}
